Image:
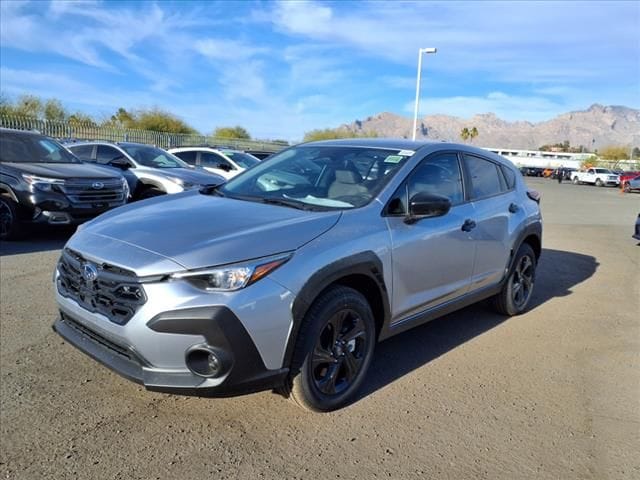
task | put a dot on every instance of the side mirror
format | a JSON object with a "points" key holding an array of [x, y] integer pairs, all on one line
{"points": [[121, 163], [427, 205]]}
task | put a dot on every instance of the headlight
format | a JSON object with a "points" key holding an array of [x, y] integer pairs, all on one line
{"points": [[232, 277], [183, 184], [41, 183]]}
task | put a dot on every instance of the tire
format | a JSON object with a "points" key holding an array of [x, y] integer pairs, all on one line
{"points": [[333, 351], [626, 187], [599, 183], [575, 181], [150, 192], [516, 293], [10, 228]]}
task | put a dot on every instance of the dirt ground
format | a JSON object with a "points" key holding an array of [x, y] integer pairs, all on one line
{"points": [[554, 393]]}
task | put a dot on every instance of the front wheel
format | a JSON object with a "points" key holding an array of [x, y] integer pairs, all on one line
{"points": [[9, 223], [599, 183], [335, 347], [516, 293], [575, 181]]}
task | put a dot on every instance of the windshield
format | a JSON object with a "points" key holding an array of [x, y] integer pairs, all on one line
{"points": [[244, 160], [319, 177], [153, 157], [28, 148]]}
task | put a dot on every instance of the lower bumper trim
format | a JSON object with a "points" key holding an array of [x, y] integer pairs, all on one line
{"points": [[125, 362]]}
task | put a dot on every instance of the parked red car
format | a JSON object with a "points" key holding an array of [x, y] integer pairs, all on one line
{"points": [[626, 176]]}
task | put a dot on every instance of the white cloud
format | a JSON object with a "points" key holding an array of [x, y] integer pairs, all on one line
{"points": [[224, 49]]}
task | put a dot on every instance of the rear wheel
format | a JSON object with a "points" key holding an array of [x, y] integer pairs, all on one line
{"points": [[334, 350], [516, 293], [10, 228]]}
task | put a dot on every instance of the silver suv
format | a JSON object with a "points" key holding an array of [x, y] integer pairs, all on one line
{"points": [[286, 276], [157, 171]]}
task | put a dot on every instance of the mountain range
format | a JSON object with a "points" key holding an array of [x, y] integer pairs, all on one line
{"points": [[594, 128]]}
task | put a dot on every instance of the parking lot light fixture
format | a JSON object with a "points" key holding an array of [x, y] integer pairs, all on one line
{"points": [[415, 110]]}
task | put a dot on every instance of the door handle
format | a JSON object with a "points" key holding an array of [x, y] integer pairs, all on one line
{"points": [[468, 225], [513, 208]]}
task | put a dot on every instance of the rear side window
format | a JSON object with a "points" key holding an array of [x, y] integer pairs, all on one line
{"points": [[83, 152], [486, 179], [509, 177], [105, 154], [188, 156]]}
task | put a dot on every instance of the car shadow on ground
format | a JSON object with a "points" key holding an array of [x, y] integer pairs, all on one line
{"points": [[558, 272], [38, 240]]}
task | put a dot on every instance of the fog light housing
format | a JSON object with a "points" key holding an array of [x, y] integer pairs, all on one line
{"points": [[205, 361]]}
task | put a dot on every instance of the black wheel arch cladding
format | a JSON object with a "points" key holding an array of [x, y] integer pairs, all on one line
{"points": [[366, 264]]}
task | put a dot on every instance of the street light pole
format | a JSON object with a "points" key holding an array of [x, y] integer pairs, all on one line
{"points": [[415, 109]]}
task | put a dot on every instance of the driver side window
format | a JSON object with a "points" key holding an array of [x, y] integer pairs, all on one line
{"points": [[439, 175]]}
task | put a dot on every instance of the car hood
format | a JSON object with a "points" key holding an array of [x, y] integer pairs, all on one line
{"points": [[64, 170], [196, 230], [199, 176]]}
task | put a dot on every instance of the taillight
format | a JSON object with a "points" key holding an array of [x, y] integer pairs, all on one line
{"points": [[534, 195]]}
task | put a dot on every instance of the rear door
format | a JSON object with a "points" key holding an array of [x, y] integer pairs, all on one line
{"points": [[497, 215], [433, 257]]}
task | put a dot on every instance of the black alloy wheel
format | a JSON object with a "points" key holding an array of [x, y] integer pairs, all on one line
{"points": [[333, 350], [339, 352], [517, 288], [522, 281]]}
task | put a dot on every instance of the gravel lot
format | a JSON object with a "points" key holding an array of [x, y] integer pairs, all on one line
{"points": [[554, 393]]}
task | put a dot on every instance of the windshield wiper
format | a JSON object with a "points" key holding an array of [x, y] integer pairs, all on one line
{"points": [[287, 203]]}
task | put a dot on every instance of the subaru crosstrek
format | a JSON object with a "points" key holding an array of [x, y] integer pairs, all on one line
{"points": [[286, 276]]}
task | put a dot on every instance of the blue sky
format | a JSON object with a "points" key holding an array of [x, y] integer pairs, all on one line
{"points": [[282, 68]]}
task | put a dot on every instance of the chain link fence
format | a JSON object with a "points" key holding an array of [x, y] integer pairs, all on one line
{"points": [[70, 130]]}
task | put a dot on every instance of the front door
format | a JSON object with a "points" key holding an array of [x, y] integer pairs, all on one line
{"points": [[433, 257]]}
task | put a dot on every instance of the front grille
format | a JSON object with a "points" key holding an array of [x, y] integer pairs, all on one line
{"points": [[114, 292], [97, 338], [91, 191]]}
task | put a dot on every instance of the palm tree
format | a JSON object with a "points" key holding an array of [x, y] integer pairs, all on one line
{"points": [[473, 133], [465, 134]]}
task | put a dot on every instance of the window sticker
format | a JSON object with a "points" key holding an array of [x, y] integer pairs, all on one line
{"points": [[393, 159]]}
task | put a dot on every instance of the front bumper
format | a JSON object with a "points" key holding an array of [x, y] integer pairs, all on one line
{"points": [[55, 209], [244, 370], [248, 328]]}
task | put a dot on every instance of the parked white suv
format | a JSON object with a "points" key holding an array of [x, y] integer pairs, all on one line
{"points": [[222, 161], [596, 176]]}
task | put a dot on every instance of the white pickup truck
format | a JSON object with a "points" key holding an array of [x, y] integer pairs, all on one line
{"points": [[596, 176]]}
